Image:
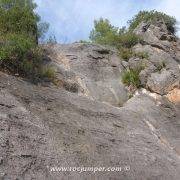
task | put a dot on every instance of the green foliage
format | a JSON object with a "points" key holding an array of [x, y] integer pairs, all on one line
{"points": [[48, 72], [19, 34], [127, 40], [19, 54], [14, 47], [51, 40], [104, 33], [18, 16], [84, 41], [125, 53], [131, 78], [161, 65], [153, 16], [141, 55]]}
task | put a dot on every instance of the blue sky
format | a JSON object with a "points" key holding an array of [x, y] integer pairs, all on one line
{"points": [[72, 20]]}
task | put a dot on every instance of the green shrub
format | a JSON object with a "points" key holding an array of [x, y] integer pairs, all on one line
{"points": [[48, 72], [13, 49], [104, 33], [84, 41], [125, 53], [131, 77], [20, 54], [153, 16], [33, 67], [20, 29], [142, 55], [51, 40], [161, 65], [127, 40], [19, 16]]}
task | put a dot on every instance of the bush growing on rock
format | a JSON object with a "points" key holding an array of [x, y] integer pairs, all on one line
{"points": [[153, 16], [141, 55], [161, 65], [127, 40], [125, 53], [20, 55], [131, 78], [106, 34], [123, 38], [20, 29]]}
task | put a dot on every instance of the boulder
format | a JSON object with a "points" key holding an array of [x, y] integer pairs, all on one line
{"points": [[158, 56], [145, 73], [155, 35], [162, 82], [125, 64], [174, 96]]}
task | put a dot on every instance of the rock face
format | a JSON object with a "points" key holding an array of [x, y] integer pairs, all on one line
{"points": [[89, 70], [162, 70], [46, 127], [80, 123], [174, 96], [162, 82]]}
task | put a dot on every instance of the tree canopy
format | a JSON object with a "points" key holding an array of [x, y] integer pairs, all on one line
{"points": [[20, 29], [19, 17], [104, 32]]}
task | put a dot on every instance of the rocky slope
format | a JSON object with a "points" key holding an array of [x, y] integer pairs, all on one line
{"points": [[89, 120]]}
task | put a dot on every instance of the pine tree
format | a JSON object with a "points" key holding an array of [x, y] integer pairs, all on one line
{"points": [[19, 17]]}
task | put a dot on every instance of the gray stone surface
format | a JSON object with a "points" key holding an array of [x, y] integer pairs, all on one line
{"points": [[80, 124], [146, 73], [94, 69], [163, 82], [43, 127], [158, 56], [155, 35], [162, 73]]}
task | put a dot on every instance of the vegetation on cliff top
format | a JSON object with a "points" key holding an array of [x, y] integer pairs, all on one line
{"points": [[152, 17], [20, 29], [124, 39], [106, 34]]}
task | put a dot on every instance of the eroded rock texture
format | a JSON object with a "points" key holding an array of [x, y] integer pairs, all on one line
{"points": [[80, 122], [90, 70]]}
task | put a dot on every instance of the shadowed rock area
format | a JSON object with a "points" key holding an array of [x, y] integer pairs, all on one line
{"points": [[88, 120]]}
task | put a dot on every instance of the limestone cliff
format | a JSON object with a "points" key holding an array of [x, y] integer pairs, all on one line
{"points": [[89, 119]]}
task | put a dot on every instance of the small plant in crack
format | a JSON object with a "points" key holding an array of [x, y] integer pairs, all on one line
{"points": [[161, 66], [131, 78]]}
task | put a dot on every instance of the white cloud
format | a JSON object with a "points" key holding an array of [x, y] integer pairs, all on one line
{"points": [[72, 20]]}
